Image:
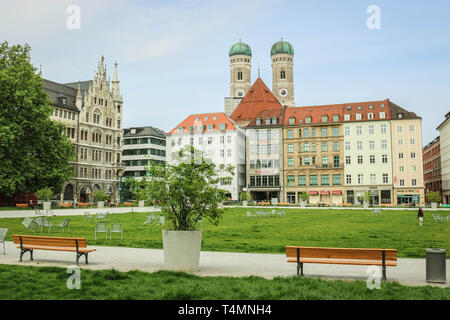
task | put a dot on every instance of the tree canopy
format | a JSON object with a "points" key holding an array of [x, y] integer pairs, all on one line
{"points": [[34, 150], [187, 190]]}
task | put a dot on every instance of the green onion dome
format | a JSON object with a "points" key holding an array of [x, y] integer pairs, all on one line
{"points": [[282, 47], [240, 48]]}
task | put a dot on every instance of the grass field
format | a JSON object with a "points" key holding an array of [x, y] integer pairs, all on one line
{"points": [[42, 283], [307, 227]]}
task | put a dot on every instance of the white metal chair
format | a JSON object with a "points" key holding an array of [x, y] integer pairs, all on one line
{"points": [[3, 233], [115, 227], [64, 224], [88, 216], [249, 214], [101, 227]]}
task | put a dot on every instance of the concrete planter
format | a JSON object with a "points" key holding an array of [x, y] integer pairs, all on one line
{"points": [[47, 205], [141, 203], [244, 203], [182, 249], [100, 204], [434, 205], [274, 201], [366, 205], [303, 204]]}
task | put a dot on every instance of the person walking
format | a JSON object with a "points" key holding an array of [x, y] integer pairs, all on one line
{"points": [[420, 216]]}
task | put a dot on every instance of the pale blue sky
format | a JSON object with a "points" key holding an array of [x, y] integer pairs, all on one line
{"points": [[173, 55]]}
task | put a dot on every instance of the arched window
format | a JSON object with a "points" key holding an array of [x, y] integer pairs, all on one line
{"points": [[283, 74], [239, 75]]}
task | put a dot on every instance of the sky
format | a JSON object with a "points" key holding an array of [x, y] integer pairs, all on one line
{"points": [[173, 55]]}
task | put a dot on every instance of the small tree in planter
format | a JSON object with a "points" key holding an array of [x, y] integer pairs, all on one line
{"points": [[186, 191], [139, 190], [304, 197], [100, 196], [434, 197], [45, 195], [366, 199], [245, 197]]}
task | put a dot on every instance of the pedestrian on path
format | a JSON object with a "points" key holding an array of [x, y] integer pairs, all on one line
{"points": [[420, 216]]}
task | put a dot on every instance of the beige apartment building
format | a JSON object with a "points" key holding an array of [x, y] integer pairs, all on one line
{"points": [[313, 154], [407, 165]]}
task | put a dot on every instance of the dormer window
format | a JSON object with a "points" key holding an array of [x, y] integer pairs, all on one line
{"points": [[400, 115], [382, 115], [359, 107], [358, 116], [215, 118], [370, 107], [324, 118], [370, 115], [180, 129], [258, 121], [222, 126], [274, 120], [347, 117], [308, 119], [205, 118], [349, 108], [64, 100], [133, 131], [191, 128], [267, 120], [291, 120], [210, 126], [336, 118]]}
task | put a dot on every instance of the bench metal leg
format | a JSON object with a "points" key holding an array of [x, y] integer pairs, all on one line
{"points": [[23, 251], [82, 254], [300, 269], [384, 273]]}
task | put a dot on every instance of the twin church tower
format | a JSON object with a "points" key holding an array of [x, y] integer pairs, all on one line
{"points": [[282, 56]]}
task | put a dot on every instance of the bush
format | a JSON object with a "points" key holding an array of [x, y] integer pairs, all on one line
{"points": [[100, 195], [45, 194], [433, 196]]}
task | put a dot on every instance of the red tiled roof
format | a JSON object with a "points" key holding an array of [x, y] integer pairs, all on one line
{"points": [[204, 119], [352, 108], [258, 99]]}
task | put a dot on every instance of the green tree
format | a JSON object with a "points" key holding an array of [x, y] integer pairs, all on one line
{"points": [[187, 190], [138, 188], [34, 150], [433, 196]]}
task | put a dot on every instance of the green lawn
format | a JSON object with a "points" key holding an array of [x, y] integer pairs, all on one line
{"points": [[42, 283], [237, 233]]}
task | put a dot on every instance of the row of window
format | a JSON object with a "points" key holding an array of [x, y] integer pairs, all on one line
{"points": [[265, 164], [335, 118], [268, 121], [96, 118], [282, 59], [263, 134], [314, 180], [359, 145], [263, 149], [307, 161], [96, 174], [306, 132], [64, 114], [134, 152], [134, 163], [159, 142], [312, 147], [370, 131], [372, 158], [265, 181]]}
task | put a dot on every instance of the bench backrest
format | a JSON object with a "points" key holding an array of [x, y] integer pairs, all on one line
{"points": [[342, 253], [49, 241]]}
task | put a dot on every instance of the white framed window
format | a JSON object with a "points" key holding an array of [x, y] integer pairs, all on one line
{"points": [[358, 116], [413, 155], [402, 182], [347, 131], [370, 115], [359, 145], [347, 160], [371, 145], [373, 178], [411, 141], [414, 182], [399, 128], [400, 142], [359, 130], [384, 144], [413, 168], [348, 178], [411, 128], [384, 158], [382, 115], [371, 129], [347, 117], [347, 145], [385, 178], [372, 159], [360, 178], [383, 128]]}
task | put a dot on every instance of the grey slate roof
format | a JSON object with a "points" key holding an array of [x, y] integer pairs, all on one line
{"points": [[56, 90], [144, 131]]}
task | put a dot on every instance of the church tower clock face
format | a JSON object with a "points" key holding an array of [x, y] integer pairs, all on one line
{"points": [[240, 93], [283, 92]]}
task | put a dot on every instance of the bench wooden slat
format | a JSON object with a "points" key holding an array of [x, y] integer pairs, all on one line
{"points": [[50, 241], [342, 253], [70, 249], [348, 262]]}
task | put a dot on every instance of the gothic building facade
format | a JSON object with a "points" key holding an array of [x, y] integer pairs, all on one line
{"points": [[92, 112]]}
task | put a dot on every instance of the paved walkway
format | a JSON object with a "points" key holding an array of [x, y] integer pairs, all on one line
{"points": [[81, 211], [408, 271]]}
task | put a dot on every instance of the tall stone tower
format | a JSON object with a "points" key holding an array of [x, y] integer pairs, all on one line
{"points": [[282, 55], [240, 74]]}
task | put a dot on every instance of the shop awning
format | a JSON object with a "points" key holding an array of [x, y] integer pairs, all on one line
{"points": [[324, 192], [313, 192], [337, 192]]}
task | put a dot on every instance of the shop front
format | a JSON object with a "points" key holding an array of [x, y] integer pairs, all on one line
{"points": [[409, 197]]}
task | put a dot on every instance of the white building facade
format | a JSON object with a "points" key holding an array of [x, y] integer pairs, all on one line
{"points": [[444, 132], [219, 138]]}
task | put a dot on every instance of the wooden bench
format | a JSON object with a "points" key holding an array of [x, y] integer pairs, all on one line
{"points": [[283, 203], [128, 203], [65, 205], [82, 204], [30, 243], [350, 256], [345, 204], [22, 205]]}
